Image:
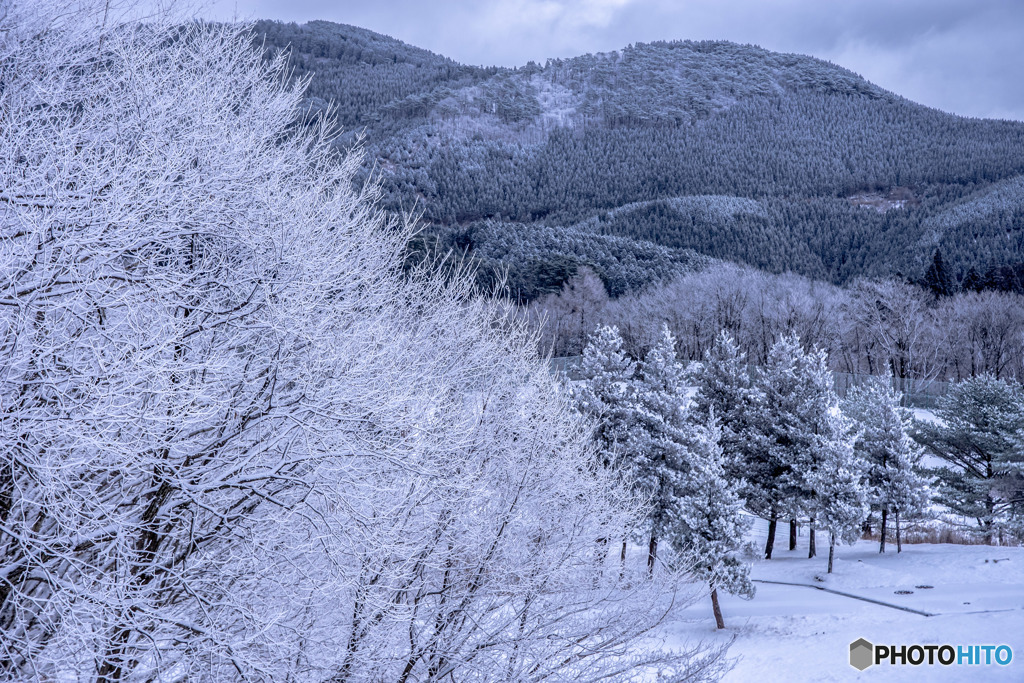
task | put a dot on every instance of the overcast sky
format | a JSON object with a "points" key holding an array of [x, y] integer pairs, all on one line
{"points": [[963, 56]]}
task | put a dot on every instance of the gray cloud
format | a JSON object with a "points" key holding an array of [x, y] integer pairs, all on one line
{"points": [[957, 55]]}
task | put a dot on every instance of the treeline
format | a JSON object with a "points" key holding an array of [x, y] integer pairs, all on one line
{"points": [[524, 261], [873, 327]]}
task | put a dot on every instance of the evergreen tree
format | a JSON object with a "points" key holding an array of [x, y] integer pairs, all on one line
{"points": [[657, 437], [707, 523], [605, 391], [839, 500], [977, 435], [724, 389], [798, 416], [973, 281], [937, 278], [892, 456]]}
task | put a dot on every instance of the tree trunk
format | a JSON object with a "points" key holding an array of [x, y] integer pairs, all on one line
{"points": [[831, 549], [622, 559], [792, 534], [899, 540], [885, 516], [719, 622], [652, 554], [772, 524], [812, 549]]}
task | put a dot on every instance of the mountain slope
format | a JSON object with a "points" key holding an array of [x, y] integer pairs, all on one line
{"points": [[781, 161]]}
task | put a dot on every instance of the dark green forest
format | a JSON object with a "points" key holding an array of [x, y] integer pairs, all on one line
{"points": [[646, 162]]}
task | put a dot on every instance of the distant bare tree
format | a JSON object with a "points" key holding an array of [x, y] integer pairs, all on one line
{"points": [[567, 317], [896, 319], [986, 334]]}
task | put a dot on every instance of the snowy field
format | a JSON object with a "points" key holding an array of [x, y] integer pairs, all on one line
{"points": [[793, 633]]}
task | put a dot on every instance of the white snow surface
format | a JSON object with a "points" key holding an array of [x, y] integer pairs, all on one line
{"points": [[791, 633]]}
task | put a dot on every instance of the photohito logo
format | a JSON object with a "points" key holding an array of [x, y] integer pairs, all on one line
{"points": [[863, 654]]}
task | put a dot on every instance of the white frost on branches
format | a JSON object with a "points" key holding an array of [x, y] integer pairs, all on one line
{"points": [[236, 442]]}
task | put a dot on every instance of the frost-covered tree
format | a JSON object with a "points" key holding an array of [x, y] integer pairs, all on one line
{"points": [[605, 391], [656, 454], [797, 419], [707, 524], [835, 478], [897, 319], [891, 454], [237, 442], [979, 423], [725, 390]]}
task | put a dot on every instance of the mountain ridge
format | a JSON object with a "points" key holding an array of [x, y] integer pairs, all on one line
{"points": [[615, 143]]}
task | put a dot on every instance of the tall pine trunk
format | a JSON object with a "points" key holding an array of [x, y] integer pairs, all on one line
{"points": [[792, 534], [719, 621], [652, 554], [773, 522], [831, 549], [622, 560], [812, 548], [885, 516]]}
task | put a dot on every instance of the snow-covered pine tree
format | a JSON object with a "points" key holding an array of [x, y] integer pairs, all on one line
{"points": [[707, 523], [656, 451], [892, 456], [726, 393], [604, 391], [977, 435], [835, 477], [724, 389], [798, 393]]}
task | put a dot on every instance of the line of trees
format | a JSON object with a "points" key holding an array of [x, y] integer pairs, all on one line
{"points": [[872, 327], [773, 438]]}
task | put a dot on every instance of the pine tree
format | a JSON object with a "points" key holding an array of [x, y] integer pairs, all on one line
{"points": [[937, 278], [977, 435], [707, 523], [725, 389], [605, 391], [836, 479], [726, 393], [892, 456], [973, 281], [799, 402], [656, 446]]}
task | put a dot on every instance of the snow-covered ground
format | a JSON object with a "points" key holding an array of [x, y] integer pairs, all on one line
{"points": [[792, 633]]}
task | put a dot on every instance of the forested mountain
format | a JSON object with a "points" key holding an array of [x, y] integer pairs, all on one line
{"points": [[634, 162]]}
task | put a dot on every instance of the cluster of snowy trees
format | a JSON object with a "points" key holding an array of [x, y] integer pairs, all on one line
{"points": [[792, 450], [668, 458], [772, 439], [237, 441], [871, 327]]}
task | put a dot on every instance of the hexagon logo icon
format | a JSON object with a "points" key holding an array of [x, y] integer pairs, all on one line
{"points": [[861, 654]]}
